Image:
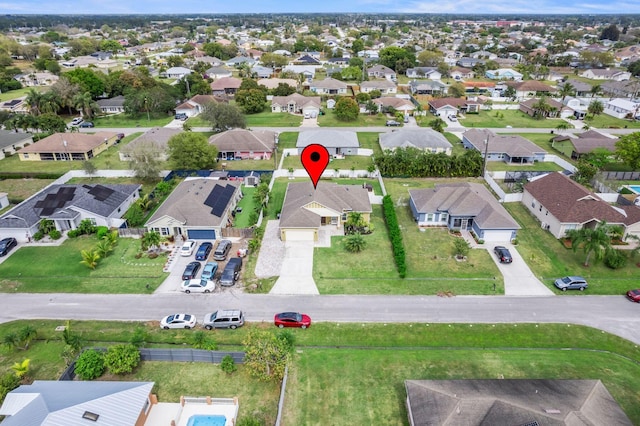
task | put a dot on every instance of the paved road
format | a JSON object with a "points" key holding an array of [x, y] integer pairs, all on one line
{"points": [[614, 314]]}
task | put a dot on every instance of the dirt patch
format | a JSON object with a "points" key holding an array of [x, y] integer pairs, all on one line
{"points": [[10, 285]]}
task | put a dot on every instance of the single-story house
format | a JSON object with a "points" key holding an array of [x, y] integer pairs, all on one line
{"points": [[218, 72], [620, 89], [337, 142], [581, 88], [196, 104], [67, 205], [460, 73], [32, 79], [69, 146], [328, 86], [427, 87], [50, 402], [466, 62], [443, 107], [153, 142], [296, 104], [398, 104], [558, 109], [381, 71], [503, 74], [463, 206], [511, 402], [622, 108], [226, 86], [262, 72], [530, 88], [198, 209], [512, 149], [307, 71], [606, 74], [237, 144], [576, 145], [18, 106], [579, 106], [113, 105], [240, 60], [386, 87], [176, 72], [306, 60], [424, 72], [423, 139], [305, 210], [561, 204], [11, 142], [272, 83]]}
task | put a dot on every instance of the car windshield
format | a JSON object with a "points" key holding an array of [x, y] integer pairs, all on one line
{"points": [[3, 245], [170, 318], [566, 280]]}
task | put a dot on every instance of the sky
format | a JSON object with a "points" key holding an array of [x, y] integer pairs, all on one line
{"points": [[321, 6]]}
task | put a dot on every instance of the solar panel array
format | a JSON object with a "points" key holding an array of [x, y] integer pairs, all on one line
{"points": [[218, 198], [55, 200], [99, 192]]}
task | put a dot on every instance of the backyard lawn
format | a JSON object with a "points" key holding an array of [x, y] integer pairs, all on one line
{"points": [[247, 205], [59, 269], [21, 189], [504, 118], [263, 119]]}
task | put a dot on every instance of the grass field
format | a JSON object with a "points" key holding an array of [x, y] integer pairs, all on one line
{"points": [[14, 94], [363, 120], [263, 119], [22, 189], [504, 118], [60, 271], [126, 120], [605, 121]]}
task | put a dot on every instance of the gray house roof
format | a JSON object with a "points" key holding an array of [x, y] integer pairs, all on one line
{"points": [[158, 136], [329, 138], [53, 403], [244, 140], [512, 402], [464, 199], [512, 145], [116, 101], [101, 200], [340, 198], [8, 138], [329, 83], [418, 138]]}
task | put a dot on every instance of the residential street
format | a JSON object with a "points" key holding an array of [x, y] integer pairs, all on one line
{"points": [[614, 314]]}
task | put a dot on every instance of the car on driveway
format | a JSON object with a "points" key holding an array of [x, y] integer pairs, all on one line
{"points": [[6, 244], [571, 283], [292, 319], [76, 121], [209, 270], [86, 124], [198, 285], [191, 270], [503, 254], [187, 248], [392, 123], [178, 321], [453, 118], [634, 295], [204, 250]]}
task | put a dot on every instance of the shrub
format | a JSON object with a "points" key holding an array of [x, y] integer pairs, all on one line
{"points": [[90, 365], [355, 243], [8, 382], [55, 234], [201, 340], [139, 337], [73, 233], [101, 231], [86, 227], [228, 365], [122, 359], [152, 255], [615, 259], [38, 235], [395, 235]]}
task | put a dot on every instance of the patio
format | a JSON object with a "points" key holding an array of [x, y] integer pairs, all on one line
{"points": [[178, 414]]}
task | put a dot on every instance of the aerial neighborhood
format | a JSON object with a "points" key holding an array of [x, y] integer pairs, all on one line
{"points": [[168, 258]]}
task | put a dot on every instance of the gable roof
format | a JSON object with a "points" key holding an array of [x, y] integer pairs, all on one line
{"points": [[385, 84], [186, 204], [244, 140], [512, 145], [156, 136], [299, 99], [512, 402], [397, 103], [329, 83], [116, 101], [329, 138], [415, 138], [464, 199], [226, 83], [339, 198], [586, 142], [69, 142], [570, 202], [438, 103], [51, 403], [272, 83], [530, 85]]}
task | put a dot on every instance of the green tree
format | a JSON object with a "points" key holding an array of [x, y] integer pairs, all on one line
{"points": [[357, 46], [634, 68], [34, 101], [274, 60], [145, 160], [610, 33], [90, 365], [122, 359], [223, 116], [430, 58], [585, 172], [595, 107], [354, 243], [191, 151], [283, 89], [88, 81], [21, 369], [103, 248], [461, 247], [566, 89], [228, 365], [21, 338], [628, 150], [150, 239], [541, 108], [201, 340], [346, 109], [266, 355], [84, 103], [89, 258], [251, 101], [594, 241], [437, 124], [88, 167], [457, 90], [397, 58]]}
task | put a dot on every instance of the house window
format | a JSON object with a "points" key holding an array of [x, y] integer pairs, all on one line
{"points": [[444, 217], [344, 217], [93, 221], [164, 231], [26, 155], [430, 217]]}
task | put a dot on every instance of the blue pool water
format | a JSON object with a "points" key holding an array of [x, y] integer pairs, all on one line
{"points": [[635, 188], [205, 420]]}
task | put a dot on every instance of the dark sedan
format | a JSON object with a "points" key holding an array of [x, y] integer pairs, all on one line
{"points": [[503, 254], [6, 245], [204, 250], [191, 271]]}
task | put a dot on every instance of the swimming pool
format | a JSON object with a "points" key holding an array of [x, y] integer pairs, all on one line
{"points": [[635, 188], [206, 420]]}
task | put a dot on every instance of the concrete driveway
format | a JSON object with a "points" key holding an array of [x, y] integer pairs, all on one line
{"points": [[518, 278]]}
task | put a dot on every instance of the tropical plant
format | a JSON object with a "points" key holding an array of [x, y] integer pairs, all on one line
{"points": [[89, 365], [228, 365], [122, 359], [595, 107], [46, 226], [103, 248], [437, 124], [266, 355], [594, 241], [21, 338], [150, 240], [21, 369], [355, 243], [201, 340], [90, 258], [85, 104]]}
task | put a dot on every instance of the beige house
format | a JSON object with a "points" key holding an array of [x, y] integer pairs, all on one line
{"points": [[296, 104], [386, 87], [328, 86], [154, 142], [68, 147], [198, 209], [306, 210]]}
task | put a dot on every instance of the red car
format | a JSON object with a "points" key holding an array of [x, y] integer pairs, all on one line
{"points": [[292, 319], [634, 295]]}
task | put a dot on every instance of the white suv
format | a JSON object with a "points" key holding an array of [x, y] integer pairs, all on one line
{"points": [[76, 121], [187, 248]]}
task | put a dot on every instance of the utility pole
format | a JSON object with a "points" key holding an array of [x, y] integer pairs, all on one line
{"points": [[486, 152]]}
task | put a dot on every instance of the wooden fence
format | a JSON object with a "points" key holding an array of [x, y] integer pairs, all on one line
{"points": [[237, 232]]}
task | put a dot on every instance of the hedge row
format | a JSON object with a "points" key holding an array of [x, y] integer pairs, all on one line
{"points": [[396, 236], [29, 175]]}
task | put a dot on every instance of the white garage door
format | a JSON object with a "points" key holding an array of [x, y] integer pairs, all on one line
{"points": [[299, 235], [497, 236]]}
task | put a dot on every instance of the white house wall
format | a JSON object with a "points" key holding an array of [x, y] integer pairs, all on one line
{"points": [[552, 224]]}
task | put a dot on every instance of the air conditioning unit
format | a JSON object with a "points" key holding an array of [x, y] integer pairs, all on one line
{"points": [[544, 225]]}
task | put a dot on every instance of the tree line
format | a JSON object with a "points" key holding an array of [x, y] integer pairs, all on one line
{"points": [[413, 162]]}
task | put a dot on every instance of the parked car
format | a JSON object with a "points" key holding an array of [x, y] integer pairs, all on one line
{"points": [[76, 121], [231, 272], [209, 270], [191, 270], [503, 254], [571, 283], [392, 123], [222, 250], [6, 244], [87, 124], [198, 286], [634, 295], [181, 116], [453, 118], [224, 319], [292, 319], [187, 248], [204, 250], [119, 137], [178, 321]]}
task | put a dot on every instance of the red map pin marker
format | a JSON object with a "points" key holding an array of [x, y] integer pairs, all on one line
{"points": [[315, 159]]}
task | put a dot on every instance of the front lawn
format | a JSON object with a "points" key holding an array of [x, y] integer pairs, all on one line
{"points": [[59, 270], [364, 120], [605, 121], [549, 259], [263, 119], [126, 120], [503, 118]]}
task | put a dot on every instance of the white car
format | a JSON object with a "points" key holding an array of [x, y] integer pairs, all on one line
{"points": [[198, 285], [187, 248], [76, 121], [453, 118], [178, 321]]}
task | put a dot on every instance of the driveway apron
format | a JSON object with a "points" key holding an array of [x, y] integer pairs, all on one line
{"points": [[518, 278], [297, 268]]}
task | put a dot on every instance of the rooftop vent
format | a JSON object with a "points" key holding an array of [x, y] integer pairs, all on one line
{"points": [[90, 416]]}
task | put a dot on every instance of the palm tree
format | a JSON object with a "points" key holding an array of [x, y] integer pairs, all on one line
{"points": [[595, 90], [541, 108], [594, 241], [595, 107], [84, 103], [33, 101], [567, 89], [563, 126], [103, 248], [112, 237], [355, 243], [21, 368], [150, 239], [89, 258], [50, 103]]}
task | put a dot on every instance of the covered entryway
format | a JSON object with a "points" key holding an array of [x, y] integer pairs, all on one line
{"points": [[201, 234]]}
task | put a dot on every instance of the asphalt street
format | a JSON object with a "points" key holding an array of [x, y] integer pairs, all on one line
{"points": [[614, 314]]}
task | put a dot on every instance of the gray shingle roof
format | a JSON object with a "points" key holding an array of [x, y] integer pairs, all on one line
{"points": [[418, 138], [329, 138], [158, 136], [244, 140], [512, 145]]}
